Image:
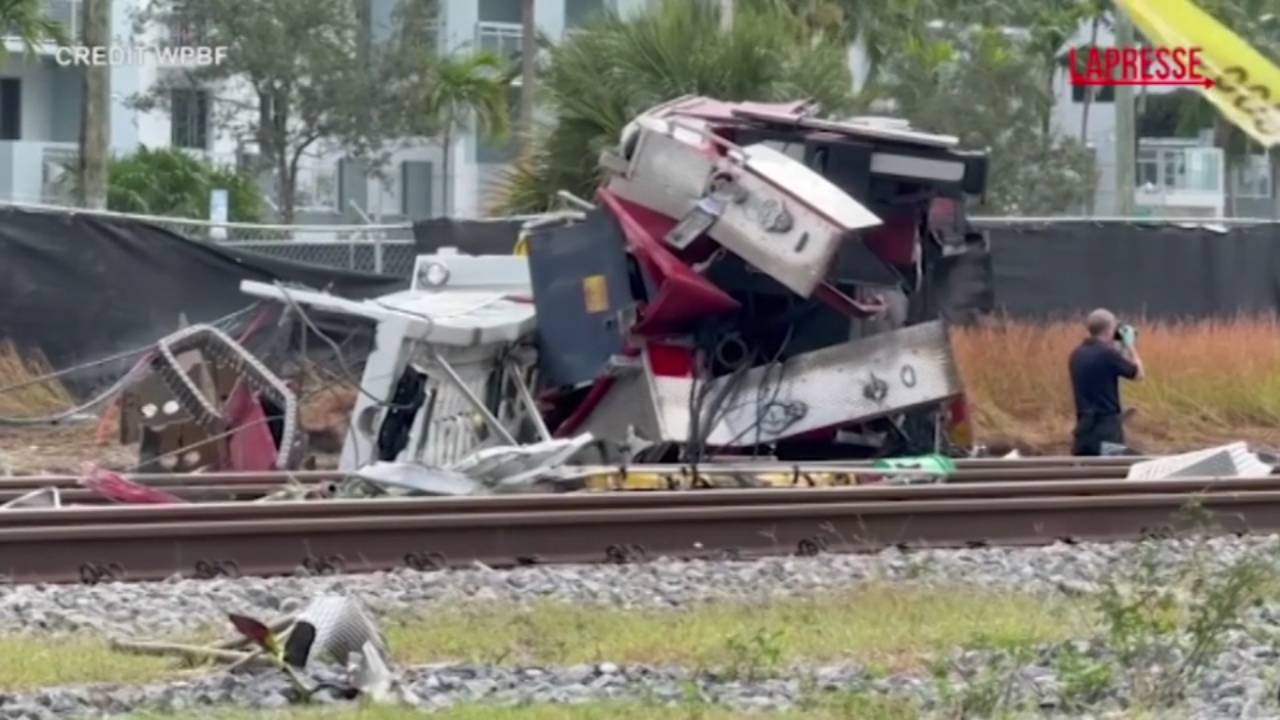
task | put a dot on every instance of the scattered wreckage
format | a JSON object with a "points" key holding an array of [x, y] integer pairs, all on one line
{"points": [[751, 281]]}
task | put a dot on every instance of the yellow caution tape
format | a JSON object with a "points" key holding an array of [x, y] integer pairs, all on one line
{"points": [[1246, 85]]}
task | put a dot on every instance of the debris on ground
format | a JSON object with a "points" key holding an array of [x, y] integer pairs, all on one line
{"points": [[332, 646], [1233, 460]]}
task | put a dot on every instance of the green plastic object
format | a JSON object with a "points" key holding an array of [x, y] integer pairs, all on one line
{"points": [[934, 464]]}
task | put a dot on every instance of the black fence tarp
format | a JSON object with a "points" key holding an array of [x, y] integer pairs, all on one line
{"points": [[1156, 271], [82, 287], [1057, 269], [474, 237]]}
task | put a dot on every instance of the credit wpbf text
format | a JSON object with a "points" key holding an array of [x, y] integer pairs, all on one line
{"points": [[111, 55]]}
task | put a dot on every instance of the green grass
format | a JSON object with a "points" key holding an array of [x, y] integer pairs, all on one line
{"points": [[886, 626]]}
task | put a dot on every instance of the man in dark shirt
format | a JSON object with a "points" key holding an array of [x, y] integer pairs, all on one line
{"points": [[1096, 367]]}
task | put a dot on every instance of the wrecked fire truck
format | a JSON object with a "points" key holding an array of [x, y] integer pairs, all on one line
{"points": [[749, 280]]}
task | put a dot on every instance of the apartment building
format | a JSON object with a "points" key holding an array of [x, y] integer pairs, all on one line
{"points": [[417, 173], [40, 104], [1175, 177]]}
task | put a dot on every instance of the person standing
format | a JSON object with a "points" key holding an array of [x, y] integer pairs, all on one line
{"points": [[1096, 366]]}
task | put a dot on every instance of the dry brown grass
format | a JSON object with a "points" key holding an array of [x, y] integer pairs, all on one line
{"points": [[30, 397], [1206, 381]]}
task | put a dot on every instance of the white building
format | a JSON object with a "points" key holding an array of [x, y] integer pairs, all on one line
{"points": [[417, 173], [1182, 177], [40, 105]]}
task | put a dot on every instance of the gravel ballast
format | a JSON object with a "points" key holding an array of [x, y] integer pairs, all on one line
{"points": [[1237, 684]]}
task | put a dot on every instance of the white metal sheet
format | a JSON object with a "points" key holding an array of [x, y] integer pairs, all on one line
{"points": [[813, 391], [787, 220]]}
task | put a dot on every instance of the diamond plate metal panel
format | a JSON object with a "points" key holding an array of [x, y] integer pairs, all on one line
{"points": [[1233, 460]]}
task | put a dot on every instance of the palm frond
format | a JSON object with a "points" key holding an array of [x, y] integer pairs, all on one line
{"points": [[597, 80]]}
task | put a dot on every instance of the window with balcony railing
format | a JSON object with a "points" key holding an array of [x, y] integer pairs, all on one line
{"points": [[501, 38], [1179, 169]]}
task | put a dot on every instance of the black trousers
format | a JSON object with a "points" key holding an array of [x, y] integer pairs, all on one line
{"points": [[1092, 430]]}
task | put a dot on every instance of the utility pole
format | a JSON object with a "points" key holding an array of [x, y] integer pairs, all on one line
{"points": [[95, 112], [528, 72], [1126, 127]]}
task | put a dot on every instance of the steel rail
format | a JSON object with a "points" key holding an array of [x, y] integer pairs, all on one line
{"points": [[191, 493], [799, 474], [289, 510], [149, 551], [311, 476]]}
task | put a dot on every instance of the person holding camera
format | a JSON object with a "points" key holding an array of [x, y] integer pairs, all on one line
{"points": [[1096, 366]]}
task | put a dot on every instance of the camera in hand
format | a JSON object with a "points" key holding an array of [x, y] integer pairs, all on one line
{"points": [[1121, 329]]}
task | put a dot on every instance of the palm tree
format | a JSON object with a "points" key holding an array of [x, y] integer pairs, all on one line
{"points": [[29, 21], [466, 89], [597, 81]]}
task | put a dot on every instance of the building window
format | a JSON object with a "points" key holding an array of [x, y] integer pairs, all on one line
{"points": [[1148, 167], [580, 12], [499, 11], [1101, 93], [1252, 177], [503, 39], [416, 188], [10, 109], [189, 112]]}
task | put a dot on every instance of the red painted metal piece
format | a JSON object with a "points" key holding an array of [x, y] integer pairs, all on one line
{"points": [[250, 446]]}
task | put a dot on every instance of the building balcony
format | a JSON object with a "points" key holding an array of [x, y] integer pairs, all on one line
{"points": [[1177, 180], [32, 171], [501, 38]]}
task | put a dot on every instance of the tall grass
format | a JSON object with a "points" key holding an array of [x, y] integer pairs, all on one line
{"points": [[1205, 381]]}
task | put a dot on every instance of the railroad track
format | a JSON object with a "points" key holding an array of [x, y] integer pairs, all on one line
{"points": [[98, 544], [214, 487]]}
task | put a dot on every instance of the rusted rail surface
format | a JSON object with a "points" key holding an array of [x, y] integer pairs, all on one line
{"points": [[972, 471], [308, 476], [267, 545], [191, 493], [288, 511]]}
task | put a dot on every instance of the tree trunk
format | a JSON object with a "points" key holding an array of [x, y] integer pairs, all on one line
{"points": [[95, 113], [1088, 92], [284, 187], [528, 72], [446, 169]]}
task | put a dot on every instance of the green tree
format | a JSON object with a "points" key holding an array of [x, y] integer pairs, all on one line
{"points": [[987, 87], [167, 182], [465, 89], [29, 21], [597, 81], [300, 77]]}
